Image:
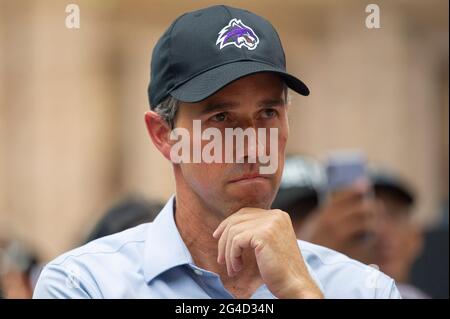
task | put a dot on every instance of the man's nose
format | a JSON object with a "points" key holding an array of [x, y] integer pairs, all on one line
{"points": [[246, 146]]}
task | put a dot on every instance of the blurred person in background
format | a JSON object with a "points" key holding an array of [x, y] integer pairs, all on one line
{"points": [[398, 240], [338, 221], [127, 213], [300, 188], [19, 270], [430, 271], [395, 241]]}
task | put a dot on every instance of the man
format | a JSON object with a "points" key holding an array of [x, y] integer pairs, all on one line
{"points": [[336, 219], [398, 240], [217, 237]]}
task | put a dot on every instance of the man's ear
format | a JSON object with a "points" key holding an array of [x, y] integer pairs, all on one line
{"points": [[159, 131]]}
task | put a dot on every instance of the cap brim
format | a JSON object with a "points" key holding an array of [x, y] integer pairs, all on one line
{"points": [[395, 188], [209, 82]]}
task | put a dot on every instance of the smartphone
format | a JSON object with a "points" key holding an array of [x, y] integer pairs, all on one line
{"points": [[345, 168]]}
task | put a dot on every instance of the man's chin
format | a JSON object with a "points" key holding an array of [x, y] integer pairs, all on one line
{"points": [[251, 197]]}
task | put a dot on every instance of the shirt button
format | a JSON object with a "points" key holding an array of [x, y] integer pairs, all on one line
{"points": [[198, 272]]}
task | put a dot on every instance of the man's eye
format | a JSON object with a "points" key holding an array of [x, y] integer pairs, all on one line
{"points": [[269, 113], [220, 117]]}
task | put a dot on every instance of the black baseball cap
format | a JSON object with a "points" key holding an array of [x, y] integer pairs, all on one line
{"points": [[385, 180], [203, 51], [302, 183]]}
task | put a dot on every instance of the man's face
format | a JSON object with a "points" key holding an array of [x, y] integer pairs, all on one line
{"points": [[398, 242], [258, 102]]}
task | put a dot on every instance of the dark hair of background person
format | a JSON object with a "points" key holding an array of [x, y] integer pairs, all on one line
{"points": [[17, 257], [304, 204], [128, 213]]}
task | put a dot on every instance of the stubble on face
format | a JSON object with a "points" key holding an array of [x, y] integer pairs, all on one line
{"points": [[256, 101]]}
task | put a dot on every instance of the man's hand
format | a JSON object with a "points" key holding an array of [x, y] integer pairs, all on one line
{"points": [[344, 222], [269, 233]]}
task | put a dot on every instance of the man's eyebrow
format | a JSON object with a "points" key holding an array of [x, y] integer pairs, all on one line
{"points": [[212, 107], [221, 106], [272, 102]]}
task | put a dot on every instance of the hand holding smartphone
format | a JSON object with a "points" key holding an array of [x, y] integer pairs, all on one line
{"points": [[343, 171]]}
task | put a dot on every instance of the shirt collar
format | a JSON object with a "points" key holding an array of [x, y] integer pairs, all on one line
{"points": [[164, 247]]}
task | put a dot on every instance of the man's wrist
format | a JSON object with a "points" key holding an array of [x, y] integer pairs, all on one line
{"points": [[302, 290]]}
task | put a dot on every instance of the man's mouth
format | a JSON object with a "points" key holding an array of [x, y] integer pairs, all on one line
{"points": [[248, 177]]}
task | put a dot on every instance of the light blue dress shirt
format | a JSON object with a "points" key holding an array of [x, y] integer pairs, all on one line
{"points": [[152, 261]]}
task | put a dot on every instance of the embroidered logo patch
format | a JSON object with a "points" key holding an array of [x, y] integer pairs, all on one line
{"points": [[238, 34]]}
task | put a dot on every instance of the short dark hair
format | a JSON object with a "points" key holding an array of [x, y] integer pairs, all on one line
{"points": [[128, 213]]}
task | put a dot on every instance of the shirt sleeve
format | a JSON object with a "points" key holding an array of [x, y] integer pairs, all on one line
{"points": [[390, 292], [58, 282]]}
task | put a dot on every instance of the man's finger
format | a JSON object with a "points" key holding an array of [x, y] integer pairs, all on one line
{"points": [[221, 245], [239, 216], [352, 193], [227, 256], [239, 243], [364, 210], [356, 226], [233, 233]]}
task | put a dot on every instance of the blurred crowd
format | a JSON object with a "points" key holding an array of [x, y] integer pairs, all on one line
{"points": [[370, 219], [363, 211], [20, 266]]}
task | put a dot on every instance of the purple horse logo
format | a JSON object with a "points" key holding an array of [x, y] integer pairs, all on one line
{"points": [[238, 34]]}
